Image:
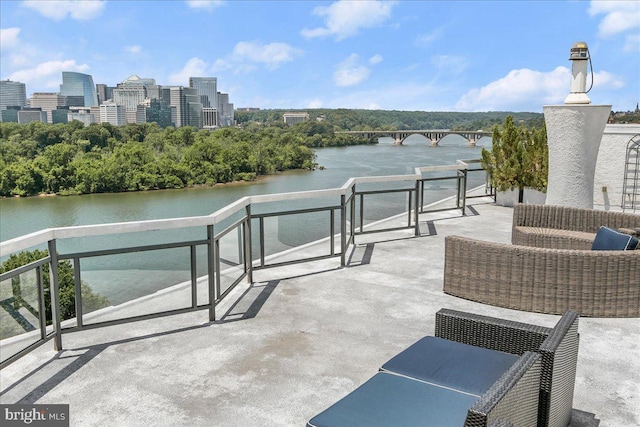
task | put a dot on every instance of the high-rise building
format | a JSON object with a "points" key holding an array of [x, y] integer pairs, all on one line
{"points": [[129, 96], [78, 84], [158, 111], [225, 110], [207, 89], [10, 114], [110, 112], [85, 115], [12, 94], [188, 108], [137, 81], [60, 115], [28, 115], [104, 92], [210, 118], [47, 102]]}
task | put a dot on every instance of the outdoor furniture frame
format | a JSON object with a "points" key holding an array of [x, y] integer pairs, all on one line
{"points": [[558, 347], [393, 400], [552, 281], [562, 227], [509, 401]]}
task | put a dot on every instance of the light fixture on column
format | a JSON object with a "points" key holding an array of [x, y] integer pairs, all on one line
{"points": [[579, 57]]}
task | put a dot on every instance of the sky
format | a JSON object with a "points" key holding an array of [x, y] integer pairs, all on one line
{"points": [[391, 55]]}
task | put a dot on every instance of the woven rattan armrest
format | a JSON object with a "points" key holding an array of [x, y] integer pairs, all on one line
{"points": [[513, 399], [558, 347]]}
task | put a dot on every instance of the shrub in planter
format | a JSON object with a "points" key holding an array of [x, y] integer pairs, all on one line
{"points": [[518, 158]]}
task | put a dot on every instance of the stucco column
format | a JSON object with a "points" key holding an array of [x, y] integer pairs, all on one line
{"points": [[574, 133]]}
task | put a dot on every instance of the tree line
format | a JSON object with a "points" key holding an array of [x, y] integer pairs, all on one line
{"points": [[71, 158], [362, 120]]}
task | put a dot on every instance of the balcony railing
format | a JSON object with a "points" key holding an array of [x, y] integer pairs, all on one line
{"points": [[227, 246]]}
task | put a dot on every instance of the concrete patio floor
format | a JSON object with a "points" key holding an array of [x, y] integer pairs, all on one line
{"points": [[300, 338]]}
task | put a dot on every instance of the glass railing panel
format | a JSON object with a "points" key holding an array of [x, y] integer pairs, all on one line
{"points": [[231, 246], [136, 283], [19, 313]]}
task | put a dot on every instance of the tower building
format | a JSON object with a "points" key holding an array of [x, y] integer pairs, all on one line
{"points": [[78, 84]]}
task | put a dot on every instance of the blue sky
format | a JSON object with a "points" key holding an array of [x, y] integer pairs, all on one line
{"points": [[392, 55]]}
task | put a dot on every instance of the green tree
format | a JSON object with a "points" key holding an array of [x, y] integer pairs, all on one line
{"points": [[90, 300], [517, 159]]}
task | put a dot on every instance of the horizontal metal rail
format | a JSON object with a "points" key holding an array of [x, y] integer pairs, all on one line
{"points": [[348, 196]]}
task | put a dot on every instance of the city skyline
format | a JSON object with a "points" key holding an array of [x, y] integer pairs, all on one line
{"points": [[431, 56]]}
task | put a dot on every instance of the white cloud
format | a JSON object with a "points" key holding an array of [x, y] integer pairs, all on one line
{"points": [[345, 18], [450, 63], [246, 55], [47, 74], [428, 39], [193, 67], [620, 16], [204, 4], [521, 89], [518, 88], [375, 59], [632, 44], [134, 49], [350, 72], [59, 9], [9, 37]]}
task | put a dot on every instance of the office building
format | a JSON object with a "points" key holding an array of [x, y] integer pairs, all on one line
{"points": [[47, 102], [110, 112], [78, 84], [207, 89], [12, 94], [158, 111], [293, 118], [188, 108], [86, 115], [210, 119], [28, 115], [104, 92], [10, 114], [60, 115], [225, 110]]}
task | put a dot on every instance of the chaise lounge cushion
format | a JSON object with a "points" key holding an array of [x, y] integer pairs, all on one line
{"points": [[612, 240], [392, 400], [452, 364]]}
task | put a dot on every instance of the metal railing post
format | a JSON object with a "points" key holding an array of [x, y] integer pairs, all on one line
{"points": [[78, 287], [416, 209], [464, 191], [210, 273], [194, 276], [343, 231], [248, 250], [42, 312], [55, 295]]}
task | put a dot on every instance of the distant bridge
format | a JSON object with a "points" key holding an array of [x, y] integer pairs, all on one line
{"points": [[433, 135]]}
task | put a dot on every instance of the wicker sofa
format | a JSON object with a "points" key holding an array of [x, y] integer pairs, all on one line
{"points": [[550, 267], [562, 227], [424, 385]]}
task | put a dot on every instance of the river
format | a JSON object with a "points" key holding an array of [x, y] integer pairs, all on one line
{"points": [[20, 216]]}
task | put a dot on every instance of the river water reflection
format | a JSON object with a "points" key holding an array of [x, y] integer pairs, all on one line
{"points": [[20, 216]]}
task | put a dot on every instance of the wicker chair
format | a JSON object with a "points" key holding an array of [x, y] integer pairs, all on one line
{"points": [[537, 390], [552, 281], [561, 227], [558, 347]]}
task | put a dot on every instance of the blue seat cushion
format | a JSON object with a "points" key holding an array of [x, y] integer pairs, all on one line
{"points": [[391, 400], [459, 366], [612, 240]]}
